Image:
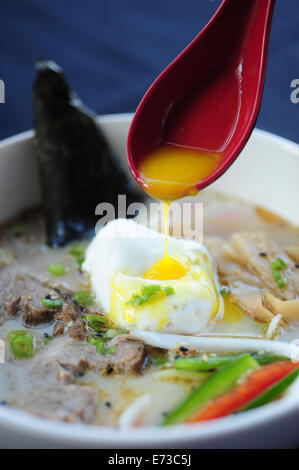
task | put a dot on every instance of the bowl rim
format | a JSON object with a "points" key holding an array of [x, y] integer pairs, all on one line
{"points": [[179, 435], [121, 117], [155, 436]]}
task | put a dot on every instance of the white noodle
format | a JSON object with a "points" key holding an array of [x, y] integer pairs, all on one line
{"points": [[131, 414], [218, 345], [272, 326]]}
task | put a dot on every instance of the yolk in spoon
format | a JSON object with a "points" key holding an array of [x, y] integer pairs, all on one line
{"points": [[171, 172]]}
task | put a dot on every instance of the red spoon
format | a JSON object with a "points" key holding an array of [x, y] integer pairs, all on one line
{"points": [[208, 98]]}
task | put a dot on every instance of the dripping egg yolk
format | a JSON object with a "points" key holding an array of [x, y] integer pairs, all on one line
{"points": [[168, 267]]}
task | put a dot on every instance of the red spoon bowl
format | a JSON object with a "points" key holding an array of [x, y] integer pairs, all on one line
{"points": [[208, 98]]}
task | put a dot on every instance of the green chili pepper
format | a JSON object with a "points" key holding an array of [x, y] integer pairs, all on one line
{"points": [[219, 383], [272, 392], [159, 361], [264, 359], [199, 363]]}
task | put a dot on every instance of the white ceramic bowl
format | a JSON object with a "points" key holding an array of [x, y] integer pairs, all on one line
{"points": [[266, 173]]}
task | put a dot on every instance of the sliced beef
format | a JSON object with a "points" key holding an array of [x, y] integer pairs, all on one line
{"points": [[70, 311], [59, 328], [71, 403], [21, 294], [77, 329], [129, 354], [76, 357], [50, 375], [69, 318]]}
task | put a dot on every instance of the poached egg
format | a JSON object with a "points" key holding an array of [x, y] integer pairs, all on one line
{"points": [[139, 289]]}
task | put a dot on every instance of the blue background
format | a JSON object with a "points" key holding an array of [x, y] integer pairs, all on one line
{"points": [[112, 50]]}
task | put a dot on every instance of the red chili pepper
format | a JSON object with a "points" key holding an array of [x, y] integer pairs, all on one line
{"points": [[255, 383]]}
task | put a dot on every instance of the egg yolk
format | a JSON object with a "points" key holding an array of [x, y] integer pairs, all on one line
{"points": [[171, 172], [232, 312], [166, 268]]}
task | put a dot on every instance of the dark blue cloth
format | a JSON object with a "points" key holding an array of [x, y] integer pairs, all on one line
{"points": [[112, 50]]}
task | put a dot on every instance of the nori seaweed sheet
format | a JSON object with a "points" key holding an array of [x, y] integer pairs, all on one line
{"points": [[77, 167]]}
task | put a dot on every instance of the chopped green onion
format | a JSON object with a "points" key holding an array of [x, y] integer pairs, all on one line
{"points": [[219, 383], [169, 290], [100, 346], [148, 293], [101, 349], [223, 291], [92, 340], [78, 252], [110, 334], [278, 264], [48, 339], [151, 289], [136, 300], [278, 278], [22, 346], [51, 303], [96, 322], [56, 269], [82, 298], [15, 333]]}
